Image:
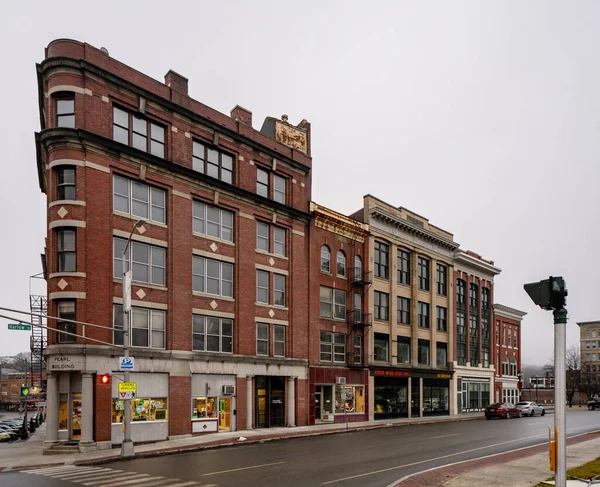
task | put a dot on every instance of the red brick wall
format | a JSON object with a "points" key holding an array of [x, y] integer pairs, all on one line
{"points": [[180, 414], [103, 410]]}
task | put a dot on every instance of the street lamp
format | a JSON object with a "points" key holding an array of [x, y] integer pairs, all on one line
{"points": [[127, 445]]}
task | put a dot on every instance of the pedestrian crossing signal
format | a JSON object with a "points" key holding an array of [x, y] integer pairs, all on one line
{"points": [[105, 379]]}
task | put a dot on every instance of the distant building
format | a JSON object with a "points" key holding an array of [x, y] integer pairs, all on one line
{"points": [[508, 353], [589, 339]]}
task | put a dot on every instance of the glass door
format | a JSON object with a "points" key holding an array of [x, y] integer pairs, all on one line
{"points": [[262, 420], [318, 404], [76, 417], [225, 414]]}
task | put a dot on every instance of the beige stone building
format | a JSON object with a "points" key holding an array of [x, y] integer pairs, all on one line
{"points": [[589, 338], [410, 350]]}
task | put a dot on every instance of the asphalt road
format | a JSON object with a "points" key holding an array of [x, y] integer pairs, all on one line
{"points": [[361, 459]]}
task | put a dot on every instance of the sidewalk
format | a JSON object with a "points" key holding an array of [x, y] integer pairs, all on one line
{"points": [[27, 454], [519, 468]]}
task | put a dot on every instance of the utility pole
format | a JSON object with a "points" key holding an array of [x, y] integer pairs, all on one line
{"points": [[551, 294], [127, 449]]}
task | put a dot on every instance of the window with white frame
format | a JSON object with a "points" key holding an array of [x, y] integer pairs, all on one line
{"points": [[279, 189], [505, 365], [332, 303], [65, 183], [212, 162], [278, 340], [148, 262], [148, 327], [262, 287], [279, 289], [325, 259], [212, 277], [333, 347], [340, 269], [358, 270], [138, 132], [212, 221], [212, 334], [262, 339], [513, 366], [266, 243], [139, 200]]}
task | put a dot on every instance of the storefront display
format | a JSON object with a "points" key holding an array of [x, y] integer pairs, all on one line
{"points": [[435, 397], [349, 399], [475, 394], [142, 409], [391, 397]]}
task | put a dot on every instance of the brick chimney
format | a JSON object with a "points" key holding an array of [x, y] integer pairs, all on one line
{"points": [[240, 114], [176, 82]]}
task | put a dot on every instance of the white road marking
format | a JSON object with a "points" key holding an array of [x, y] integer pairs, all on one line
{"points": [[444, 436], [49, 469], [242, 468], [100, 478], [77, 473], [185, 484], [128, 479]]}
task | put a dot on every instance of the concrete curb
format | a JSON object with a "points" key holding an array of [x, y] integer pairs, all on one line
{"points": [[225, 443]]}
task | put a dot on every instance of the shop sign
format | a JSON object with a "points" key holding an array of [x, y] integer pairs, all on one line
{"points": [[444, 376], [390, 373], [66, 363]]}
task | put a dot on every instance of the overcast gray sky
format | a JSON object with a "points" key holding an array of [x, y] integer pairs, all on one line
{"points": [[481, 116]]}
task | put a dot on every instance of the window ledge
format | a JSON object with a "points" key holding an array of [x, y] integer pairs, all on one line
{"points": [[142, 284], [336, 320], [273, 306], [341, 277], [326, 273], [277, 256], [136, 218], [67, 274], [214, 239], [66, 202], [213, 296]]}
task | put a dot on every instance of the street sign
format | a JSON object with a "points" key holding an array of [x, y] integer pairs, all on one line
{"points": [[24, 391], [127, 395], [19, 326], [127, 386], [127, 293], [126, 363]]}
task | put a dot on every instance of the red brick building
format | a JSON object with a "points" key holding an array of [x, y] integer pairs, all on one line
{"points": [[508, 353], [474, 337], [339, 318], [219, 344]]}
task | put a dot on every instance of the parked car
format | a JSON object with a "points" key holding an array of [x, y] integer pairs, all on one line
{"points": [[502, 410], [4, 437], [530, 408], [13, 432], [593, 404]]}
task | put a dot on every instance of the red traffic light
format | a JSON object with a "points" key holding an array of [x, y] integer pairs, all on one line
{"points": [[105, 379]]}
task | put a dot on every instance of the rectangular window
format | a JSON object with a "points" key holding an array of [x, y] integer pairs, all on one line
{"points": [[279, 189], [212, 277], [212, 162], [66, 311], [279, 241], [65, 111], [381, 347], [146, 409], [441, 319], [148, 327], [212, 334], [262, 287], [423, 352], [357, 350], [66, 249], [65, 184], [404, 350], [441, 274], [333, 347], [332, 303], [148, 262], [262, 339], [212, 221], [441, 354], [139, 200], [516, 345], [262, 182], [423, 315], [403, 264], [423, 265], [381, 259], [403, 316], [279, 290], [382, 306], [132, 129], [262, 236], [278, 340]]}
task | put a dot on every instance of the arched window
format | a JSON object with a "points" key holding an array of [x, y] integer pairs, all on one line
{"points": [[357, 266], [325, 259], [513, 366], [341, 263], [505, 365]]}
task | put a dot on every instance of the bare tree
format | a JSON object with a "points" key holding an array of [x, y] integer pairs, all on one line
{"points": [[573, 372], [21, 362]]}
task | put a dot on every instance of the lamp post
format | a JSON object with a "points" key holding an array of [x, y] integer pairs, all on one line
{"points": [[127, 449]]}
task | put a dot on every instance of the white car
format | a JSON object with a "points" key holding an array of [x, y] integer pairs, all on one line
{"points": [[530, 408]]}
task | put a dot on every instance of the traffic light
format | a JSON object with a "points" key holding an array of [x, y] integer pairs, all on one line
{"points": [[549, 294], [105, 379]]}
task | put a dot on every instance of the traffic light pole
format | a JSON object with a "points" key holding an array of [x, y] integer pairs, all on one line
{"points": [[560, 423]]}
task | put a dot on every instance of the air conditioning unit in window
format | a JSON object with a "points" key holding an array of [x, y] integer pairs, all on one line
{"points": [[228, 390], [340, 380]]}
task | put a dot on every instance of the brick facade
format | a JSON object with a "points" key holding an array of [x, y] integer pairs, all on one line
{"points": [[508, 353]]}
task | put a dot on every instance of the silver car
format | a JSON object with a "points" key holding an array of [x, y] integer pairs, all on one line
{"points": [[530, 408]]}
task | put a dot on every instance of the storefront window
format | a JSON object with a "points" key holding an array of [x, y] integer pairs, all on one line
{"points": [[435, 397], [391, 397], [205, 407], [142, 409], [349, 399], [63, 415]]}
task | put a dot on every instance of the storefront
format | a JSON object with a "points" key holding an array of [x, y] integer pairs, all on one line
{"points": [[337, 395], [149, 409], [474, 394], [269, 401], [410, 393], [213, 403], [510, 392]]}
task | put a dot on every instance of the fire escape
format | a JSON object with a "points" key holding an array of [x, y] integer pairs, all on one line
{"points": [[358, 321], [38, 305]]}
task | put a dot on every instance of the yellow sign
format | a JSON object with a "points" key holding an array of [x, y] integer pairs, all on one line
{"points": [[127, 386]]}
